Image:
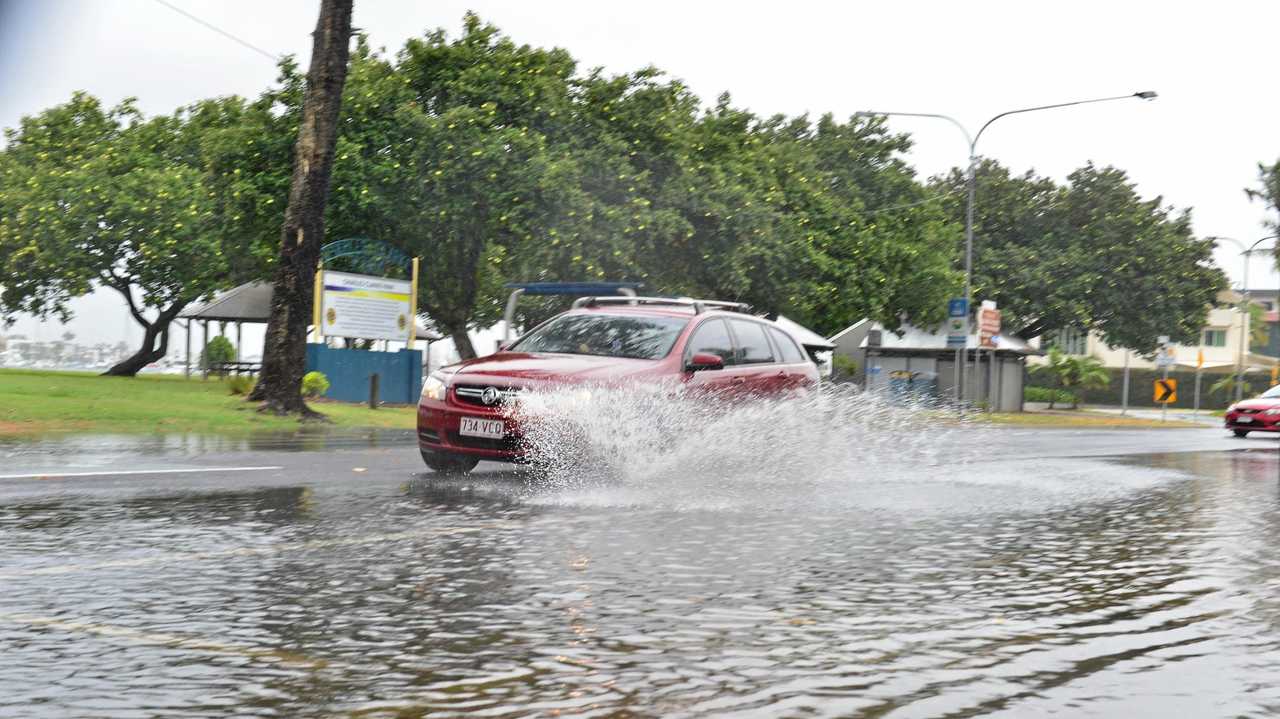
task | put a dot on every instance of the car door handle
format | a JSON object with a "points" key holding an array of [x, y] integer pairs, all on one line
{"points": [[739, 380]]}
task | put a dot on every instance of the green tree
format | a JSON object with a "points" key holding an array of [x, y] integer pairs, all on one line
{"points": [[218, 351], [1268, 192], [1089, 254], [101, 197], [1259, 331]]}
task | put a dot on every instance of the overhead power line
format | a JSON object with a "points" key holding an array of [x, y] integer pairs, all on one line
{"points": [[219, 30]]}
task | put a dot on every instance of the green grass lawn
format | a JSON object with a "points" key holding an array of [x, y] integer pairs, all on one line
{"points": [[1076, 418], [37, 402]]}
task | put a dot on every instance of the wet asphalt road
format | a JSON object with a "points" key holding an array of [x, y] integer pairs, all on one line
{"points": [[1068, 572]]}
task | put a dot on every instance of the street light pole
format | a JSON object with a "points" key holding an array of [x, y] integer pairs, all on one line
{"points": [[971, 183]]}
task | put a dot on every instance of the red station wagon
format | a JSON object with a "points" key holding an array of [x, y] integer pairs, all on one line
{"points": [[712, 347], [1260, 414]]}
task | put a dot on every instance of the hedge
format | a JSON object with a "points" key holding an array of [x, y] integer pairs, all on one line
{"points": [[1046, 394]]}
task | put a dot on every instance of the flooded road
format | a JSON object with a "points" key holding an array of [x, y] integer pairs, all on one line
{"points": [[1077, 574]]}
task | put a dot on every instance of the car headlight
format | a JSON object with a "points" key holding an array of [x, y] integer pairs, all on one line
{"points": [[435, 386], [1273, 411]]}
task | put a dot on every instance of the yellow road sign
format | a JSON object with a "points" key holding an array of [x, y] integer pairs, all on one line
{"points": [[1166, 391]]}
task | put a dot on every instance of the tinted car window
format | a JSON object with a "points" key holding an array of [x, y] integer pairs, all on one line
{"points": [[753, 344], [786, 346], [606, 335], [712, 337]]}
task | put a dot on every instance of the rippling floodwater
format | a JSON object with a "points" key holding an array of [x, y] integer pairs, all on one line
{"points": [[1010, 587]]}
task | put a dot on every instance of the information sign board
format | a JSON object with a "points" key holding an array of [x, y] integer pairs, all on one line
{"points": [[365, 307], [957, 323]]}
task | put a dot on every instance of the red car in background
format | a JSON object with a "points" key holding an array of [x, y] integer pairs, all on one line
{"points": [[1260, 414], [713, 347]]}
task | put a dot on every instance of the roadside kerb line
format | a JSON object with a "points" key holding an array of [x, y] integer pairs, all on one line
{"points": [[249, 551], [125, 472]]}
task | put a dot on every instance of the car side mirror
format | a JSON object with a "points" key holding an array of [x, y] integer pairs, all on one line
{"points": [[704, 361]]}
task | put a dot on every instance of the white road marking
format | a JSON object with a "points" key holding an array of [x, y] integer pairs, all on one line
{"points": [[124, 472]]}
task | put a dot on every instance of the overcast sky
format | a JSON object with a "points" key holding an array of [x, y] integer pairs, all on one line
{"points": [[1197, 146]]}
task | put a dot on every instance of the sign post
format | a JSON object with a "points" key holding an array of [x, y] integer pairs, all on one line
{"points": [[958, 337], [988, 331], [1195, 412], [1124, 393], [1164, 392], [413, 306]]}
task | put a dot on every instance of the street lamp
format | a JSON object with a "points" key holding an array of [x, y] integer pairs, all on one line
{"points": [[1241, 345], [971, 186]]}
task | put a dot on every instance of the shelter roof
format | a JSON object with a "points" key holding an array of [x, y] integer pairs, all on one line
{"points": [[911, 338]]}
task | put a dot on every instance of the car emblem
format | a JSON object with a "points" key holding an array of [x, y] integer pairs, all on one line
{"points": [[490, 395]]}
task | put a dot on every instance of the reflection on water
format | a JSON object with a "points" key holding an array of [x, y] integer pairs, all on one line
{"points": [[136, 451], [1089, 588]]}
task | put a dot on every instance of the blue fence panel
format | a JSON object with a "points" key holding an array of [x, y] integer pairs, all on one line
{"points": [[399, 373]]}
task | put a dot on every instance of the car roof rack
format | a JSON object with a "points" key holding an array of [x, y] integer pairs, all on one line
{"points": [[699, 306]]}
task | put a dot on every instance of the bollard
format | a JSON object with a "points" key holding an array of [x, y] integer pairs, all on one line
{"points": [[373, 391]]}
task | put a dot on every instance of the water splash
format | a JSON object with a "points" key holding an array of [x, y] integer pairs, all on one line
{"points": [[654, 441]]}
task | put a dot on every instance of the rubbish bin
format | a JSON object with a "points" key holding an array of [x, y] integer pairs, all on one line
{"points": [[913, 386]]}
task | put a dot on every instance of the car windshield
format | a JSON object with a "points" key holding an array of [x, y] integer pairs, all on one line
{"points": [[1272, 393], [605, 335]]}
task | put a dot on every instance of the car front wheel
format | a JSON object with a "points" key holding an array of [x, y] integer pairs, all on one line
{"points": [[447, 463], [1240, 432]]}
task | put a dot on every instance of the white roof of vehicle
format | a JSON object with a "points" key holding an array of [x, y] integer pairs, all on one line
{"points": [[806, 336]]}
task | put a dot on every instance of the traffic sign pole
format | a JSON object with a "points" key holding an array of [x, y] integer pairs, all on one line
{"points": [[958, 338], [1124, 397], [1164, 406], [1196, 412]]}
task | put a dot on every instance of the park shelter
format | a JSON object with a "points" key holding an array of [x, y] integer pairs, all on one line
{"points": [[910, 356], [250, 302]]}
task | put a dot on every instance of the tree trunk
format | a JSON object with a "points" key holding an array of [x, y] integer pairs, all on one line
{"points": [[152, 330], [462, 343], [284, 355], [149, 352]]}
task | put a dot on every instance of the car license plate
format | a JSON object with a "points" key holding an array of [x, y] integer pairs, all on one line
{"points": [[1244, 419], [475, 427]]}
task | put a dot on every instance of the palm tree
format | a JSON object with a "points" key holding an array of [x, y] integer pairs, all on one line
{"points": [[1055, 370], [1086, 373], [1074, 374], [1227, 387]]}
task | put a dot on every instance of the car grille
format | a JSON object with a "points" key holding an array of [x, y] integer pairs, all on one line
{"points": [[506, 444], [475, 395]]}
